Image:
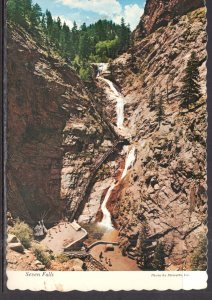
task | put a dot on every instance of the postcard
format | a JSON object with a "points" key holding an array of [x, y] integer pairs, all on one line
{"points": [[106, 130]]}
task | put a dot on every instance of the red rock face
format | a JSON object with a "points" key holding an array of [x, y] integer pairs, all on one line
{"points": [[53, 134], [160, 13], [156, 193]]}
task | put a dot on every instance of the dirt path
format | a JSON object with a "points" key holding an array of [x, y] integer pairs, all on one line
{"points": [[119, 262], [60, 236]]}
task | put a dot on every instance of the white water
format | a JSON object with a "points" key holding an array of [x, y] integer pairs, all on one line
{"points": [[103, 67], [119, 104], [115, 95], [106, 221], [130, 159]]}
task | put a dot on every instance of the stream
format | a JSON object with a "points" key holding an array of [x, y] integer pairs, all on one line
{"points": [[64, 233], [117, 96], [129, 150]]}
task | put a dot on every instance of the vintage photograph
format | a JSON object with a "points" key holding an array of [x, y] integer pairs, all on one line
{"points": [[106, 135]]}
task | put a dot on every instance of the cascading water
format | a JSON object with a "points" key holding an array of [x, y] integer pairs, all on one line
{"points": [[102, 67], [119, 103], [114, 94], [130, 159], [106, 220]]}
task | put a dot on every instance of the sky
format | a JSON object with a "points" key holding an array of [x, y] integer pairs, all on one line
{"points": [[90, 11]]}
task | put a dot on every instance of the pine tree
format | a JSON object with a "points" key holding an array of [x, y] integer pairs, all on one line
{"points": [[16, 12], [83, 27], [43, 22], [49, 23], [190, 92], [124, 36], [35, 15], [144, 255], [160, 111], [27, 8], [84, 46], [11, 9], [158, 262], [152, 103], [75, 38], [97, 42], [199, 257]]}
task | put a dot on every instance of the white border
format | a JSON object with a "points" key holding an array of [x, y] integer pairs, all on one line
{"points": [[104, 281]]}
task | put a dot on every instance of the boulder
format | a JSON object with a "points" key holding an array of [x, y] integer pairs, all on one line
{"points": [[11, 238], [18, 247], [76, 264]]}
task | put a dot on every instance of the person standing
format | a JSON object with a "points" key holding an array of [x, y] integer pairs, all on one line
{"points": [[101, 256]]}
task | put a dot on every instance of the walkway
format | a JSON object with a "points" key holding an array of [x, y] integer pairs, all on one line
{"points": [[61, 235], [119, 262]]}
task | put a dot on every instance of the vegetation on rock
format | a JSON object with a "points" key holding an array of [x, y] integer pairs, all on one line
{"points": [[198, 259], [158, 262], [41, 254], [23, 232], [152, 103], [160, 110], [62, 258], [190, 92], [144, 253], [79, 46]]}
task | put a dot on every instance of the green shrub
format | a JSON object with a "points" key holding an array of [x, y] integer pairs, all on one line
{"points": [[85, 72], [23, 232], [199, 257], [158, 263], [41, 254], [62, 258]]}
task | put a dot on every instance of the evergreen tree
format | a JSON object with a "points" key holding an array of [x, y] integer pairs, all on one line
{"points": [[152, 103], [160, 111], [199, 258], [123, 35], [190, 92], [83, 27], [27, 7], [43, 23], [16, 12], [97, 42], [100, 31], [49, 23], [11, 9], [144, 255], [35, 15], [66, 43], [84, 46], [158, 262]]}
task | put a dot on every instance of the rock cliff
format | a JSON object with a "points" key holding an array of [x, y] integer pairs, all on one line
{"points": [[164, 195], [160, 13], [55, 135], [59, 132]]}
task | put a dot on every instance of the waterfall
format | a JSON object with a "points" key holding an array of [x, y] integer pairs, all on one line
{"points": [[130, 158], [115, 95], [102, 67], [129, 161], [106, 221], [119, 103]]}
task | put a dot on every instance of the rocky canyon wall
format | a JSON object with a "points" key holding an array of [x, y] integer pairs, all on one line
{"points": [[54, 135], [160, 13], [165, 192]]}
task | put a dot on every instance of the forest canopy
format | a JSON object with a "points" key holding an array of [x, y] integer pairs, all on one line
{"points": [[79, 46]]}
